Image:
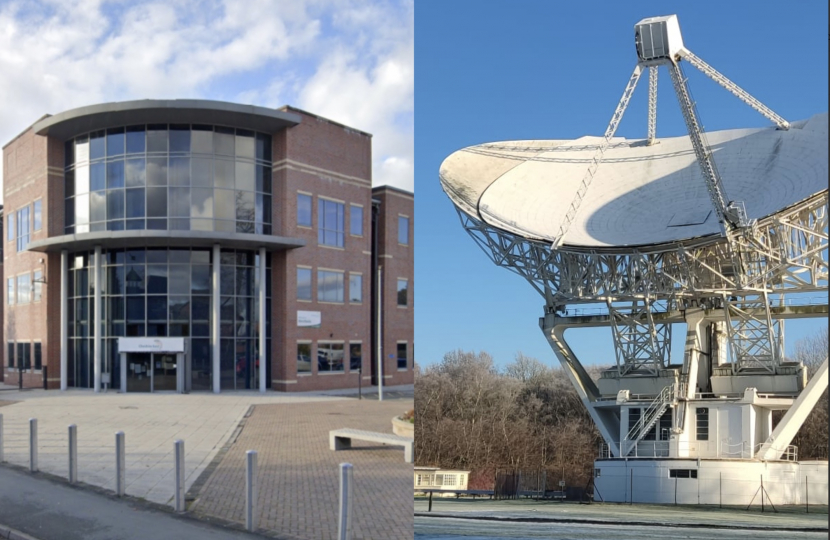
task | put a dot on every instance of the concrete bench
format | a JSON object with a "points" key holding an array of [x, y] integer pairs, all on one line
{"points": [[341, 439]]}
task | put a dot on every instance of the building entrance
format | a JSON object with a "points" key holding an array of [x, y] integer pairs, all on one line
{"points": [[163, 369], [149, 372]]}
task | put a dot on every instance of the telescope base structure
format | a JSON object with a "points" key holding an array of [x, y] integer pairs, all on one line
{"points": [[727, 482]]}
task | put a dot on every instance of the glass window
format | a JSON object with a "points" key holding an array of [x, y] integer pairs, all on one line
{"points": [[38, 285], [10, 291], [38, 356], [157, 202], [329, 286], [179, 171], [115, 174], [223, 141], [201, 140], [115, 204], [403, 230], [303, 357], [157, 138], [157, 171], [82, 149], [135, 203], [98, 176], [201, 172], [24, 289], [329, 356], [263, 147], [136, 141], [329, 223], [303, 283], [23, 225], [97, 206], [224, 205], [403, 286], [82, 179], [355, 288], [244, 143], [356, 220], [402, 360], [702, 423], [179, 138], [38, 217], [24, 358], [115, 141], [355, 357], [303, 209], [97, 145]]}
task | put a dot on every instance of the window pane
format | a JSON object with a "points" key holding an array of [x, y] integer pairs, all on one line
{"points": [[223, 141], [355, 288], [356, 220], [81, 210], [245, 206], [201, 172], [97, 145], [157, 202], [224, 205], [179, 138], [223, 174], [134, 173], [403, 230], [304, 209], [157, 279], [157, 171], [115, 141], [245, 176], [135, 279], [179, 204], [402, 292], [303, 357], [115, 204], [329, 286], [303, 283], [179, 171], [330, 223], [115, 174], [135, 203], [355, 357], [201, 203], [263, 147], [98, 176], [201, 308], [245, 143], [136, 141], [156, 308], [402, 361], [157, 138], [201, 140], [38, 215], [98, 206]]}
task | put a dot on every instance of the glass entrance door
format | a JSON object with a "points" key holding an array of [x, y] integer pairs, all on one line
{"points": [[164, 372], [139, 376]]}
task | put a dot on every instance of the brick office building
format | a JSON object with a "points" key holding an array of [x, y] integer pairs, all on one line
{"points": [[138, 235]]}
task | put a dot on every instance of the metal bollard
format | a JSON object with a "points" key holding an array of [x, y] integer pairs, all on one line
{"points": [[1, 439], [344, 521], [73, 453], [179, 453], [32, 444], [120, 464], [250, 490]]}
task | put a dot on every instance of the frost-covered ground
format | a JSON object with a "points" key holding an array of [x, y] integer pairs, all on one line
{"points": [[524, 519]]}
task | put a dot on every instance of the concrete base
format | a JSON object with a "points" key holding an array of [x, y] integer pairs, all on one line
{"points": [[710, 481]]}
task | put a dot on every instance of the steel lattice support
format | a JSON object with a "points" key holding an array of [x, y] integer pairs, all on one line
{"points": [[652, 104], [753, 339], [789, 253], [641, 345], [597, 159], [742, 94]]}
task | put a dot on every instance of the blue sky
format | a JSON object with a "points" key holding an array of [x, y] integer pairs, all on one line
{"points": [[497, 70], [348, 60]]}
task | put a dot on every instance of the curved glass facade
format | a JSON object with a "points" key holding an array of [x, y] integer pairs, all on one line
{"points": [[167, 292], [168, 177]]}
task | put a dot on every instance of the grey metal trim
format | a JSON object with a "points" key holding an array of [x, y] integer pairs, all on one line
{"points": [[153, 238], [162, 111]]}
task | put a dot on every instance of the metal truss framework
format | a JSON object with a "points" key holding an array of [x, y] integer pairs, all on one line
{"points": [[783, 253], [640, 344]]}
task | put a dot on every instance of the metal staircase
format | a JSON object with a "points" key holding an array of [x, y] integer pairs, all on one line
{"points": [[652, 414]]}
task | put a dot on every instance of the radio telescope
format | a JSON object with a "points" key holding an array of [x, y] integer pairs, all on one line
{"points": [[724, 232]]}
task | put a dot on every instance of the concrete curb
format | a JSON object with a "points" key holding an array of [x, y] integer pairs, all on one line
{"points": [[7, 533]]}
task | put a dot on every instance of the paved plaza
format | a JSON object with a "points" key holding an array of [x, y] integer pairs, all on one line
{"points": [[298, 474]]}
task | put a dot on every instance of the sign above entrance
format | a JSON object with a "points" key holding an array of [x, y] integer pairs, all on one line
{"points": [[151, 345]]}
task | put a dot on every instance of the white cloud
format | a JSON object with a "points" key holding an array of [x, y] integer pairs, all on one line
{"points": [[349, 60]]}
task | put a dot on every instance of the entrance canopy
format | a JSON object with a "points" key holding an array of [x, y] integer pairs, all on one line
{"points": [[151, 344]]}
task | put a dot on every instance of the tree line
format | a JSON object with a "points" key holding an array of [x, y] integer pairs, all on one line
{"points": [[472, 416]]}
